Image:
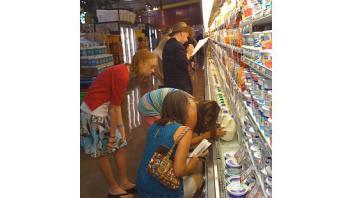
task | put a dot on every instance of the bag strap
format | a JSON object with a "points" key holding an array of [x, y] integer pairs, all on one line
{"points": [[177, 141]]}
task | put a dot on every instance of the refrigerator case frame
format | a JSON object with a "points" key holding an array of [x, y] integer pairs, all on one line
{"points": [[128, 42]]}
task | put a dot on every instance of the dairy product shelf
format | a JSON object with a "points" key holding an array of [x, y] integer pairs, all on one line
{"points": [[261, 69], [265, 140]]}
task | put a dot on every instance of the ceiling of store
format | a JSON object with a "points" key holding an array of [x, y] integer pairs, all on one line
{"points": [[137, 5]]}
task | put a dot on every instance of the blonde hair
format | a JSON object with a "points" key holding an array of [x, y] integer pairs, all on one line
{"points": [[140, 56]]}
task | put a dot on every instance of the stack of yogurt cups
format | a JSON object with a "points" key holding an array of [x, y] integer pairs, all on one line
{"points": [[232, 172]]}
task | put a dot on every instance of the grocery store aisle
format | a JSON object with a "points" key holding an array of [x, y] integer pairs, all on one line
{"points": [[92, 182]]}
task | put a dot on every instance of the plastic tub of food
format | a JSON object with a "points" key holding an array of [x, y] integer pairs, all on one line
{"points": [[267, 59], [254, 148], [233, 179], [258, 159], [256, 39], [229, 127], [233, 168], [229, 154], [267, 44], [237, 191]]}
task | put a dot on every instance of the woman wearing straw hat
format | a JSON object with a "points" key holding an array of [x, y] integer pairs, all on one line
{"points": [[176, 58]]}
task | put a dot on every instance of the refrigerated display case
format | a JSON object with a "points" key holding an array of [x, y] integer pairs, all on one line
{"points": [[238, 76], [128, 40]]}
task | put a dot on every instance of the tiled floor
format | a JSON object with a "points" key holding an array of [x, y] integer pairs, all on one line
{"points": [[92, 182]]}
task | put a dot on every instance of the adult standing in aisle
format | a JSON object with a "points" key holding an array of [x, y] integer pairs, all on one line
{"points": [[176, 58], [102, 129], [159, 52]]}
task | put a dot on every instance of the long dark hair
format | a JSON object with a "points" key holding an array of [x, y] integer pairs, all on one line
{"points": [[207, 114], [174, 108]]}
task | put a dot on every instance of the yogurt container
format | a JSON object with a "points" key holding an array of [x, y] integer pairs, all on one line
{"points": [[233, 179], [267, 97], [268, 181], [268, 192], [258, 159], [252, 132], [256, 39], [267, 59], [232, 163], [248, 99], [267, 43], [232, 167], [237, 191], [266, 110], [263, 121], [254, 148], [267, 128], [229, 154]]}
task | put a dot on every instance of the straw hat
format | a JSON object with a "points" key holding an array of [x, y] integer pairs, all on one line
{"points": [[181, 27]]}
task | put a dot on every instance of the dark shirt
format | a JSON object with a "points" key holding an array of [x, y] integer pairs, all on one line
{"points": [[175, 66]]}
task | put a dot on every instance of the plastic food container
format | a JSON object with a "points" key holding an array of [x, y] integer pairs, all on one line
{"points": [[229, 154], [248, 99], [267, 128], [254, 148], [267, 44], [268, 181], [267, 59], [258, 57], [233, 168], [233, 179], [229, 127], [268, 192], [256, 39], [237, 191], [258, 159]]}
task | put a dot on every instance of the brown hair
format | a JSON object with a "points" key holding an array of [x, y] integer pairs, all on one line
{"points": [[139, 56], [207, 114], [175, 107]]}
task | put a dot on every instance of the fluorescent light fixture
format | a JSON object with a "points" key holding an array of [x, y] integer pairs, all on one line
{"points": [[207, 5]]}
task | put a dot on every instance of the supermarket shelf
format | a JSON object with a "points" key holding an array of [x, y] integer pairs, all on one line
{"points": [[266, 72], [237, 49], [263, 139], [262, 20], [255, 48], [257, 172], [217, 187], [266, 139]]}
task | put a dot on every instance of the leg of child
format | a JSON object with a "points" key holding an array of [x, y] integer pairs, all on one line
{"points": [[120, 159], [105, 167]]}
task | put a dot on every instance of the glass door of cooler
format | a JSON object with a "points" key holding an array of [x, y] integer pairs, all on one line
{"points": [[133, 42], [128, 43], [124, 44]]}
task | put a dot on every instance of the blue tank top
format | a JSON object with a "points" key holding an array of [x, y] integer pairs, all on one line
{"points": [[147, 185]]}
